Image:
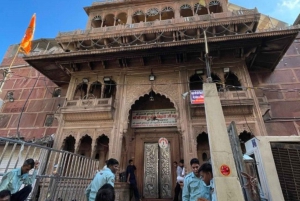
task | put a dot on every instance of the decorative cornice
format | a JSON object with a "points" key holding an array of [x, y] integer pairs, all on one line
{"points": [[88, 116], [165, 44]]}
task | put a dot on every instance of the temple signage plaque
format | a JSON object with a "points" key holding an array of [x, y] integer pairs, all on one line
{"points": [[153, 118]]}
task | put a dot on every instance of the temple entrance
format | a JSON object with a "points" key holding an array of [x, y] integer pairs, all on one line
{"points": [[157, 172], [152, 117]]}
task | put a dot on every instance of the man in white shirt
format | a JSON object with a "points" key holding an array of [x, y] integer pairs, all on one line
{"points": [[180, 178]]}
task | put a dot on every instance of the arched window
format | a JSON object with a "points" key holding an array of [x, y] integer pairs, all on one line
{"points": [[196, 82], [152, 14], [81, 91], [200, 9], [110, 89], [186, 11], [69, 144], [85, 146], [217, 80], [215, 7], [121, 18], [232, 82], [95, 89], [101, 150], [138, 16], [109, 20], [96, 21], [167, 13], [203, 152]]}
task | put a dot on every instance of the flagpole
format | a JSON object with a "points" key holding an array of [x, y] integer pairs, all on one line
{"points": [[26, 47], [9, 71]]}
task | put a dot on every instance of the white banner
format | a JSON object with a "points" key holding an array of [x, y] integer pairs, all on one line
{"points": [[153, 118]]}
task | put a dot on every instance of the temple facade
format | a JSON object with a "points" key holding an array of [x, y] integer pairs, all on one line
{"points": [[135, 77]]}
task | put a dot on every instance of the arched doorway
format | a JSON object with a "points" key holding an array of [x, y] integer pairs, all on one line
{"points": [[203, 152], [153, 116]]}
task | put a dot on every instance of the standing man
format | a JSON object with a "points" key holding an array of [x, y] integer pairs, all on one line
{"points": [[206, 174], [104, 176], [14, 179], [131, 179], [193, 184], [179, 178]]}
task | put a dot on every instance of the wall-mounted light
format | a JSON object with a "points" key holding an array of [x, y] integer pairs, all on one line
{"points": [[10, 96], [106, 79], [226, 70], [151, 76], [184, 95], [85, 80], [199, 72]]}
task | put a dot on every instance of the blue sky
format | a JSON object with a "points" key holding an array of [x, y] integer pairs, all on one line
{"points": [[67, 15]]}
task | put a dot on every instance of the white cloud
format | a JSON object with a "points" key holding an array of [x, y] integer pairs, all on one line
{"points": [[290, 4]]}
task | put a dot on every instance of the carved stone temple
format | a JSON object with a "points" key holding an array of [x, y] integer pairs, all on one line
{"points": [[136, 74]]}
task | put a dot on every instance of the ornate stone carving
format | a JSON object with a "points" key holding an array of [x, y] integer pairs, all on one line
{"points": [[199, 130], [138, 87], [90, 116]]}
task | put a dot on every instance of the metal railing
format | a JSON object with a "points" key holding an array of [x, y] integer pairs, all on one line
{"points": [[62, 175]]}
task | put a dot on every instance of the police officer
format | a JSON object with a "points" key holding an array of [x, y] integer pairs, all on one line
{"points": [[104, 176]]}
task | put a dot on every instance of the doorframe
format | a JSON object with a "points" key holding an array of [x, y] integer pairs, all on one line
{"points": [[152, 136]]}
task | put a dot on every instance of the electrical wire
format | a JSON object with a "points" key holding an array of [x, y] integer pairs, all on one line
{"points": [[265, 89], [23, 108]]}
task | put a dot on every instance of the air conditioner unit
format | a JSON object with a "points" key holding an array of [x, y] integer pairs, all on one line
{"points": [[252, 150]]}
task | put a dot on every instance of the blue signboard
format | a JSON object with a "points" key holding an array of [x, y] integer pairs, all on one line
{"points": [[197, 97]]}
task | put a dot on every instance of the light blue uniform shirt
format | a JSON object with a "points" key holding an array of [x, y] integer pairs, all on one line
{"points": [[105, 176], [194, 188], [13, 180]]}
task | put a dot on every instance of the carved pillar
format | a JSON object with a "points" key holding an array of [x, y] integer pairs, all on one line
{"points": [[102, 90], [189, 150], [72, 88], [102, 156], [117, 131], [94, 148], [261, 127]]}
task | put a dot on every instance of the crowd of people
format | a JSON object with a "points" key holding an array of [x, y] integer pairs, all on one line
{"points": [[195, 186]]}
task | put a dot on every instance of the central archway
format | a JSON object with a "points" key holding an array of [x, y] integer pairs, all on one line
{"points": [[151, 117]]}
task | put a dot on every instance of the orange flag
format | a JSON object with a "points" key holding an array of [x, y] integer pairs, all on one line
{"points": [[28, 37]]}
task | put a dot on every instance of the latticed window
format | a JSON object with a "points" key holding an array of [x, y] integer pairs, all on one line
{"points": [[167, 9], [97, 18], [185, 6], [139, 12], [214, 3], [152, 12], [49, 120]]}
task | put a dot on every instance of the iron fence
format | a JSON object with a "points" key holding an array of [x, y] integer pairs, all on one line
{"points": [[61, 176]]}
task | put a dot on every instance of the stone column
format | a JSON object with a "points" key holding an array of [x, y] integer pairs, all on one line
{"points": [[117, 132], [227, 186], [189, 150]]}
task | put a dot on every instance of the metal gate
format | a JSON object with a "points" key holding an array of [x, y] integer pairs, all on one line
{"points": [[61, 176], [244, 177]]}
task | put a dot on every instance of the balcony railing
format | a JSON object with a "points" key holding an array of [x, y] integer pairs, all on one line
{"points": [[196, 18], [88, 102]]}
